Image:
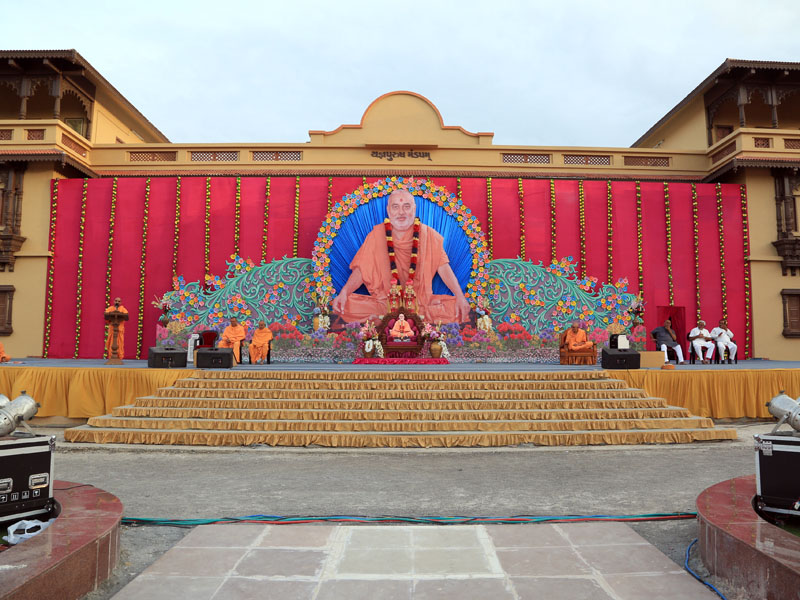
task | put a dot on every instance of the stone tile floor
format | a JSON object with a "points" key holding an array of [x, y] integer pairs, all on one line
{"points": [[575, 561]]}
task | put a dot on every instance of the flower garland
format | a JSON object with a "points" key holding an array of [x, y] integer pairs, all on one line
{"points": [[490, 224], [610, 232], [582, 229], [111, 222], [696, 245], [207, 231], [176, 234], [79, 277], [639, 263], [521, 194], [553, 221], [330, 192], [746, 248], [722, 281], [51, 247], [321, 280], [266, 222], [668, 218], [237, 216], [296, 225], [142, 269], [414, 250]]}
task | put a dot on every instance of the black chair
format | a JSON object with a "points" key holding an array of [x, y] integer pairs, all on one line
{"points": [[671, 354], [726, 357], [691, 355]]}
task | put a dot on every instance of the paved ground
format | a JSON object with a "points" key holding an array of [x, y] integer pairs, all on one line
{"points": [[216, 482]]}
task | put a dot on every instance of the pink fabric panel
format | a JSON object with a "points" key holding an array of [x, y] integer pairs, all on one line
{"points": [[680, 195], [252, 217], [734, 263], [313, 208], [190, 250], [710, 289], [537, 220], [567, 220], [623, 194], [281, 218], [473, 194], [223, 201], [95, 262], [596, 230], [65, 256], [654, 254], [505, 215]]}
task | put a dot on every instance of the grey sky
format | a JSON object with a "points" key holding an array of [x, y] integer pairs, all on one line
{"points": [[534, 73]]}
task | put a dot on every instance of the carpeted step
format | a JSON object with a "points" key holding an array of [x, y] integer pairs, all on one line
{"points": [[396, 415], [446, 404], [399, 425], [354, 394], [475, 373], [87, 433]]}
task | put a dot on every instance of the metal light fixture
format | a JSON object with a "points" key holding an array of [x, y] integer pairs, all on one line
{"points": [[786, 410], [21, 409]]}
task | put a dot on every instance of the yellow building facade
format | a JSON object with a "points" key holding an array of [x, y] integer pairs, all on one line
{"points": [[60, 118]]}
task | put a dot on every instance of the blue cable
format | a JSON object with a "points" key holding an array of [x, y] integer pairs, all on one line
{"points": [[695, 575]]}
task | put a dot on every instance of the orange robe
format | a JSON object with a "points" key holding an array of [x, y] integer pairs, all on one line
{"points": [[232, 338], [372, 259], [120, 338], [401, 329], [259, 346], [577, 341], [3, 356]]}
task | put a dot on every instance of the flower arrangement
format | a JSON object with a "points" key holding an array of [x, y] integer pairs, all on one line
{"points": [[514, 336], [431, 332], [368, 331], [286, 336]]}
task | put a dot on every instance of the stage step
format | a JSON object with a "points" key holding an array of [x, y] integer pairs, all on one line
{"points": [[398, 409]]}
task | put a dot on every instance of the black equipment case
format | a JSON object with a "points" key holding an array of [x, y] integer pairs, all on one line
{"points": [[777, 465], [26, 476]]}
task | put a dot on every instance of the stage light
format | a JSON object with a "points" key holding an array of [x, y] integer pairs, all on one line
{"points": [[786, 410], [22, 408]]}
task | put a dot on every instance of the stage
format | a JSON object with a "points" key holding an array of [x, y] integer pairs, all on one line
{"points": [[88, 388]]}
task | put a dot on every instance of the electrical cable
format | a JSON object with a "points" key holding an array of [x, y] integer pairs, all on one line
{"points": [[429, 520], [695, 575]]}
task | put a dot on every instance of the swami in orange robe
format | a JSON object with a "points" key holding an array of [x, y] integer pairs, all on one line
{"points": [[259, 345], [371, 266], [401, 328], [576, 339], [110, 336], [232, 338], [3, 356]]}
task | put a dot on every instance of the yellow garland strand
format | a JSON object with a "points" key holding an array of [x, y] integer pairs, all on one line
{"points": [[521, 194], [553, 257], [668, 217], [696, 246], [176, 234], [747, 281], [79, 276], [142, 270], [610, 232], [109, 263], [330, 192], [639, 262], [207, 231], [237, 216], [722, 281], [490, 219], [582, 229], [266, 222], [363, 180], [296, 226], [51, 247]]}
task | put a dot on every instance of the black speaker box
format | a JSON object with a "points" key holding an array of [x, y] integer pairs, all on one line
{"points": [[619, 359], [215, 358], [166, 357]]}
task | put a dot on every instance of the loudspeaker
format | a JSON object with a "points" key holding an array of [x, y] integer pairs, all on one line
{"points": [[166, 357], [215, 358], [619, 359]]}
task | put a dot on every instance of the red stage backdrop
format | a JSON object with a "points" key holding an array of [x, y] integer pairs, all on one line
{"points": [[127, 237]]}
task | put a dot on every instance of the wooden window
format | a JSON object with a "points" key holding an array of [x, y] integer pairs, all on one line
{"points": [[6, 300], [791, 313], [721, 131]]}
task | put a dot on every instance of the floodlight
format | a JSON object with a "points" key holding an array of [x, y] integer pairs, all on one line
{"points": [[786, 410], [21, 409]]}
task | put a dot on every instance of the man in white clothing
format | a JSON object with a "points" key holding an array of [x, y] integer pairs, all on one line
{"points": [[700, 338], [722, 336]]}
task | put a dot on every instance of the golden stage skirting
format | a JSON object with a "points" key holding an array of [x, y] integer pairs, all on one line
{"points": [[78, 392]]}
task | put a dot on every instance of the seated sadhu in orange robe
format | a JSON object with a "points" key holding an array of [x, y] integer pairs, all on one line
{"points": [[259, 345], [401, 330], [3, 356], [232, 337], [121, 337], [576, 338], [372, 267]]}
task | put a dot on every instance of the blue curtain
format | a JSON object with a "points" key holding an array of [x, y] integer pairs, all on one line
{"points": [[356, 227]]}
